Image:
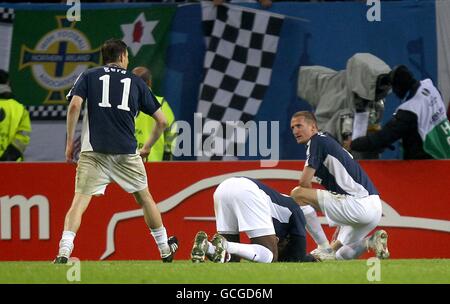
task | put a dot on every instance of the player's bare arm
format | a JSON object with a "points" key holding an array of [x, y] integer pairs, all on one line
{"points": [[306, 177], [161, 125], [73, 113]]}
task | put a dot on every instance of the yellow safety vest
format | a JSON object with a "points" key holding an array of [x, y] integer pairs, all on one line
{"points": [[15, 126], [144, 125]]}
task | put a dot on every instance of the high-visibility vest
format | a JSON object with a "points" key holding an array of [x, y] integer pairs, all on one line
{"points": [[15, 125], [432, 123], [144, 125]]}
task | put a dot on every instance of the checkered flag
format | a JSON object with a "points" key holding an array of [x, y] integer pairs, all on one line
{"points": [[6, 15], [47, 112], [241, 49]]}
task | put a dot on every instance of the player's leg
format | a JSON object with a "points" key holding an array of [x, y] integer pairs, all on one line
{"points": [[315, 229], [73, 217], [154, 222], [235, 238], [203, 248], [72, 223], [354, 238], [88, 181], [262, 250], [267, 241], [336, 211], [305, 196], [129, 172], [352, 241], [377, 242], [152, 216], [226, 225]]}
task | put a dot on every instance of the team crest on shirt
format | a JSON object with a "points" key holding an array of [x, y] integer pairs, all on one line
{"points": [[58, 58]]}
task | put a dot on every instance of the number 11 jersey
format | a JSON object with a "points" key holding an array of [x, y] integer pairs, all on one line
{"points": [[112, 99]]}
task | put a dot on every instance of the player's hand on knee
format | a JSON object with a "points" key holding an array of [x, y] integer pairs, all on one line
{"points": [[296, 195]]}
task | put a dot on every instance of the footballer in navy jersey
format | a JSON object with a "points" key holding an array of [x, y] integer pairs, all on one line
{"points": [[274, 223], [350, 200], [112, 97]]}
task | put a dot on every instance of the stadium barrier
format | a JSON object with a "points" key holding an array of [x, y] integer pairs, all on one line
{"points": [[34, 198]]}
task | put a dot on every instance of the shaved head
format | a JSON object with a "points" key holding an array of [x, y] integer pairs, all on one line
{"points": [[143, 73]]}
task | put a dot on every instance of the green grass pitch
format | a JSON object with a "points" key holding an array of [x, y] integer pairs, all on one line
{"points": [[183, 272]]}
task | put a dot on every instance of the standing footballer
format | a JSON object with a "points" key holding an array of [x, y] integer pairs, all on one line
{"points": [[113, 96]]}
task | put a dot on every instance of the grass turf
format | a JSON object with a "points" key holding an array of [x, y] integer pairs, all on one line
{"points": [[183, 272]]}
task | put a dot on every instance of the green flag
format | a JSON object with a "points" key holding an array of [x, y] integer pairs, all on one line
{"points": [[49, 52]]}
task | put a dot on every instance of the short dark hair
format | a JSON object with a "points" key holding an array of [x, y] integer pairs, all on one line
{"points": [[402, 80], [402, 76], [4, 77], [112, 49], [309, 116]]}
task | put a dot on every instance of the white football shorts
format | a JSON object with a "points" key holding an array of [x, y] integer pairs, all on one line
{"points": [[96, 170], [355, 216], [240, 206]]}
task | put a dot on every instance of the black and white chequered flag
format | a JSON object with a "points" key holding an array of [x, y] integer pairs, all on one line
{"points": [[6, 15], [47, 112], [241, 49]]}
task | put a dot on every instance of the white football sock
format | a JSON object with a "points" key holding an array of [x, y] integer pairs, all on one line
{"points": [[314, 227], [352, 251], [211, 248], [251, 252], [160, 236], [66, 243]]}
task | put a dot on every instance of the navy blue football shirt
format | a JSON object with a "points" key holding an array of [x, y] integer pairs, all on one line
{"points": [[113, 97], [336, 169]]}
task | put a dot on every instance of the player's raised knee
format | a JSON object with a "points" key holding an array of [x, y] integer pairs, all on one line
{"points": [[298, 194]]}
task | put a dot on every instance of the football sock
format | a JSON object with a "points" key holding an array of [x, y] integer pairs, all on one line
{"points": [[251, 252], [66, 243], [352, 251], [160, 236], [211, 248], [314, 227]]}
